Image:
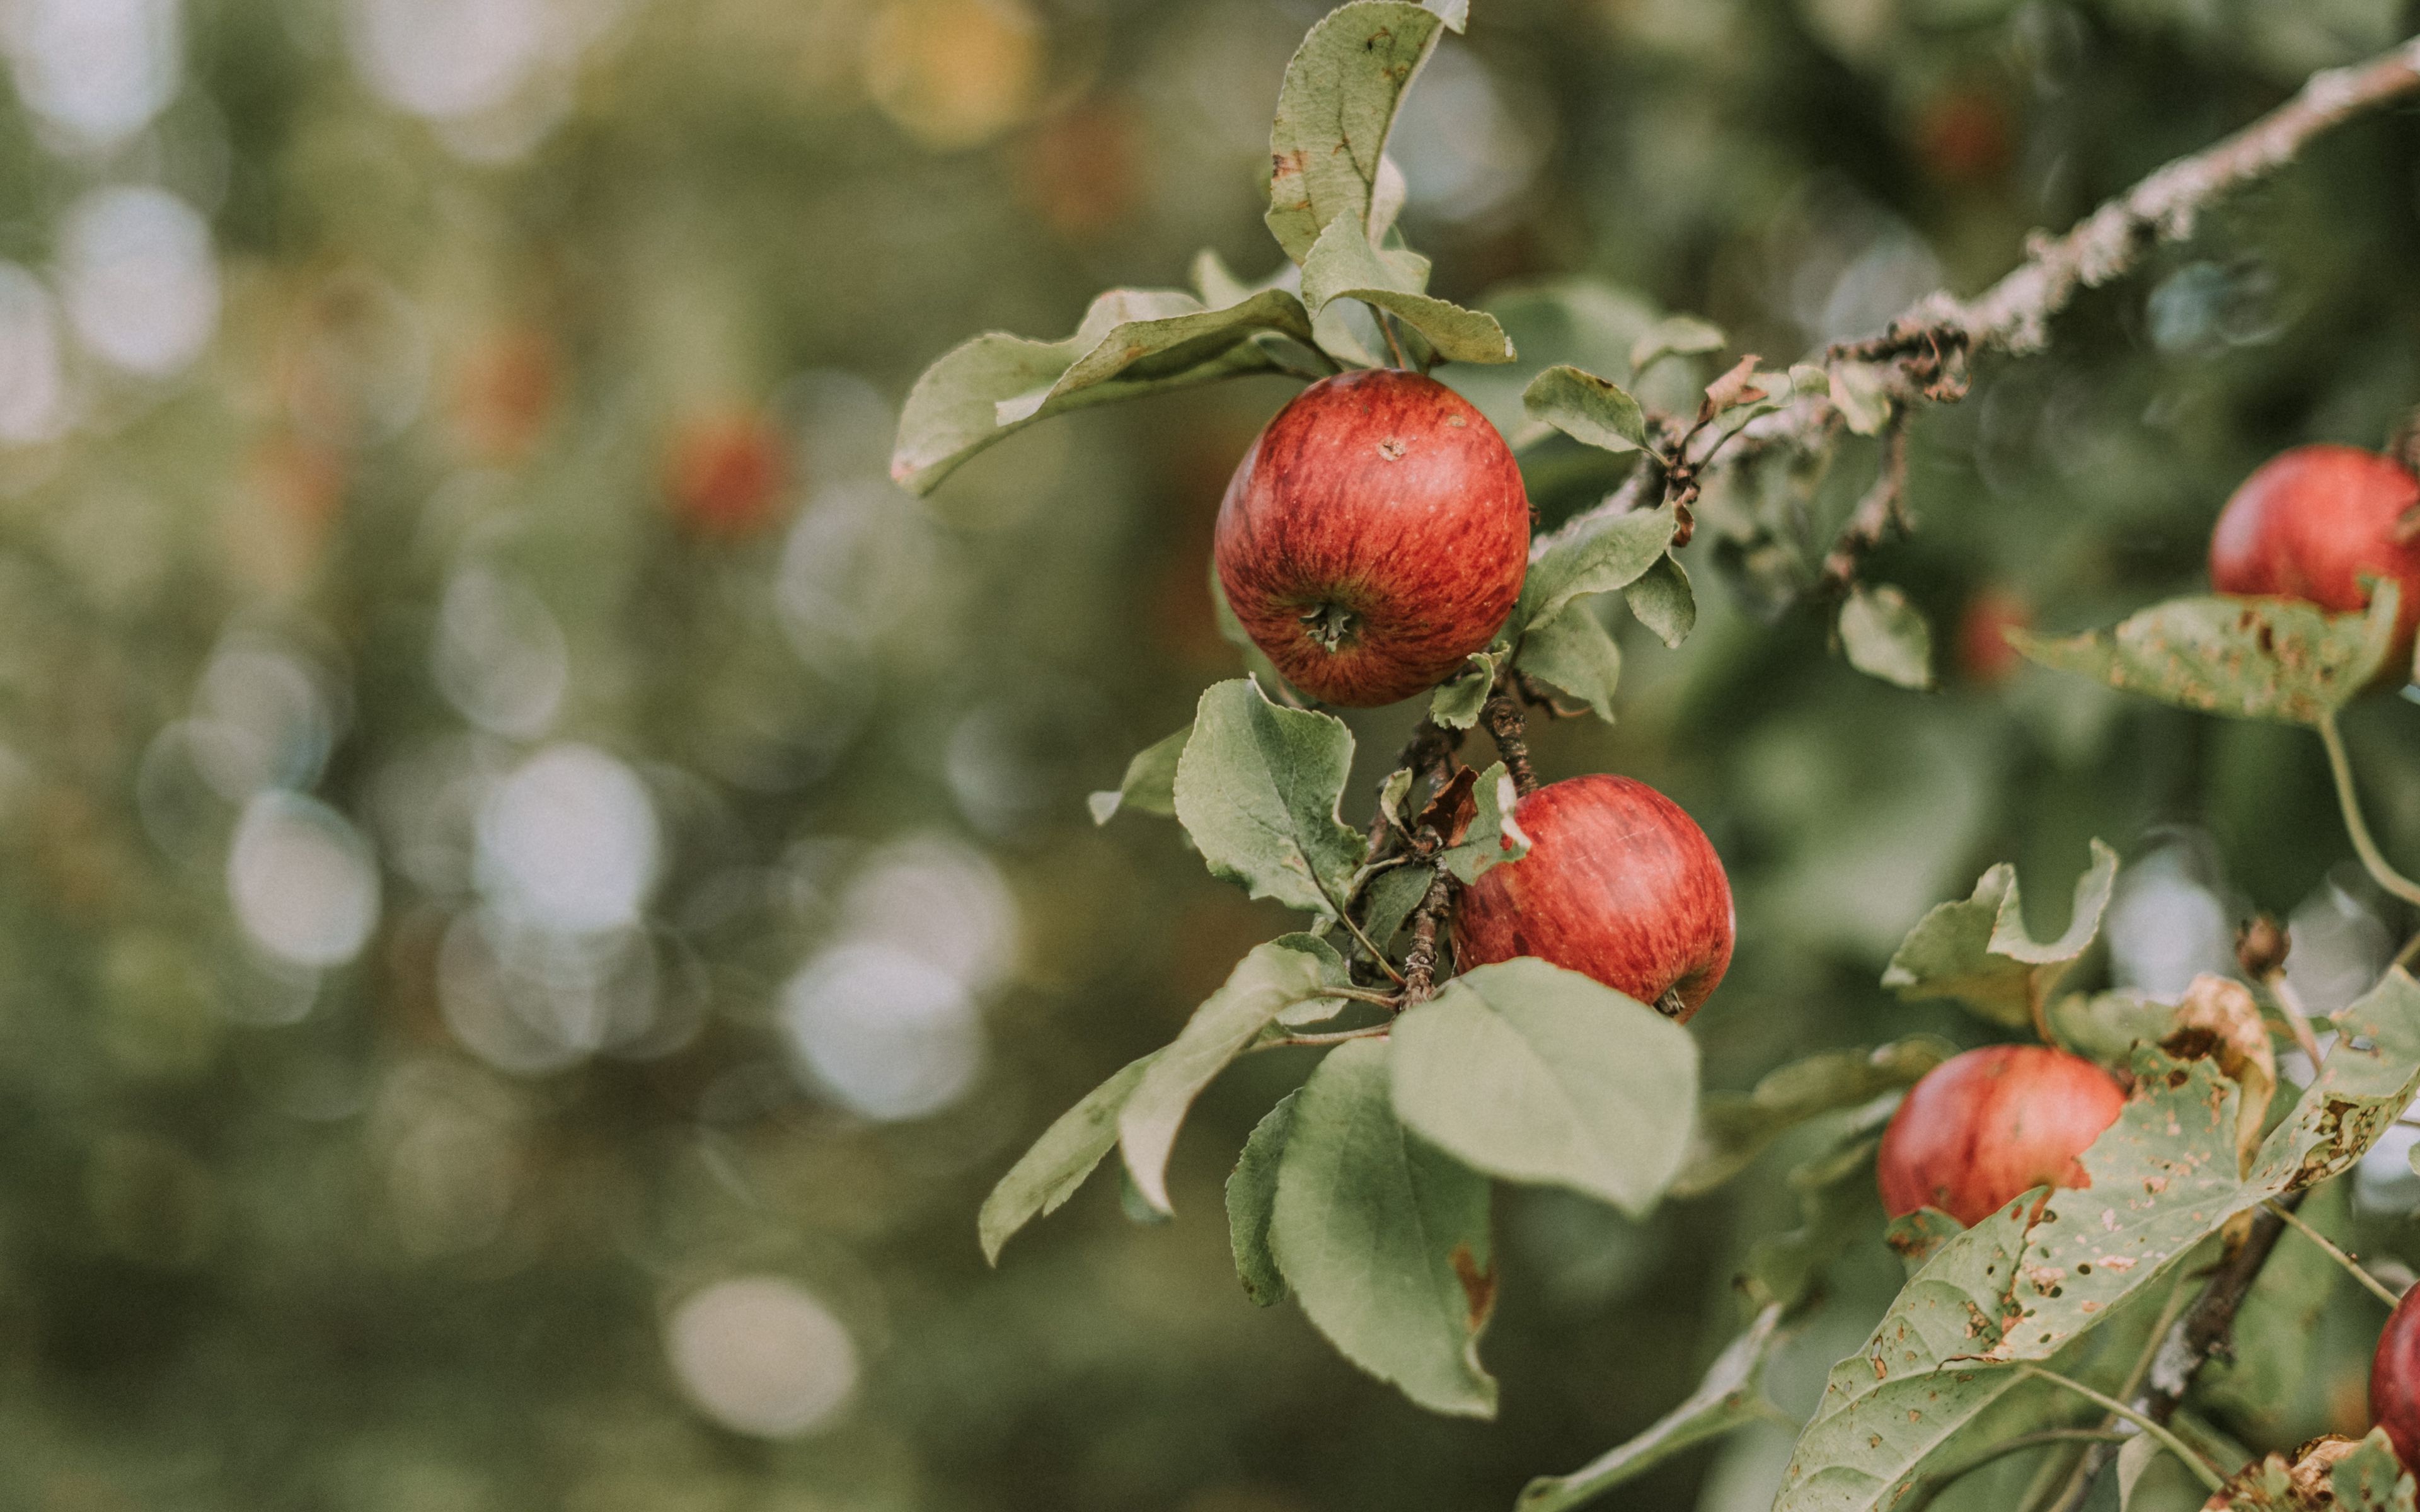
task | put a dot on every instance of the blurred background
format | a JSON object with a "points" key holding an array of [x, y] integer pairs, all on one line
{"points": [[541, 891]]}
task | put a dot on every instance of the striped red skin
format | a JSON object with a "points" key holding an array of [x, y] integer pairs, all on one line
{"points": [[1619, 884], [1984, 1128], [2310, 522], [2394, 1379], [1383, 494]]}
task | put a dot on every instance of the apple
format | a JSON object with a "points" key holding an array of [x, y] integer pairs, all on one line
{"points": [[1374, 536], [1983, 1128], [1984, 654], [1619, 884], [2394, 1379], [2310, 523], [726, 473]]}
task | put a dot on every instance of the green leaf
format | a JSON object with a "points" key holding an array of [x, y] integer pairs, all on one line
{"points": [[1731, 1396], [1494, 838], [1251, 1202], [2252, 658], [1331, 964], [1977, 951], [1587, 409], [1048, 1174], [1857, 390], [1575, 653], [2030, 1284], [1886, 637], [1260, 789], [1675, 335], [1335, 111], [1917, 1236], [1458, 701], [1534, 1073], [1393, 894], [1661, 600], [1343, 265], [2371, 1478], [1150, 782], [1733, 1128], [1838, 1207], [2106, 1026], [1391, 794], [1384, 1239], [1131, 342], [1266, 982], [1613, 556]]}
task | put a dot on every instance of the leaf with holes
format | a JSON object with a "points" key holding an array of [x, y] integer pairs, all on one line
{"points": [[1384, 1239], [1977, 951], [1260, 788], [2252, 658], [1538, 1075]]}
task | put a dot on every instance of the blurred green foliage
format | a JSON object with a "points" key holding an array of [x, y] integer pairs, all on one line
{"points": [[543, 890]]}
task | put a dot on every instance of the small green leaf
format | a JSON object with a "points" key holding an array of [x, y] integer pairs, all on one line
{"points": [[1731, 1396], [1886, 637], [1384, 1239], [2106, 1026], [1734, 1127], [1613, 556], [1458, 701], [1150, 784], [1334, 114], [1809, 378], [1266, 982], [1587, 409], [1662, 601], [2371, 1478], [2252, 658], [1977, 951], [1048, 1174], [1393, 894], [1131, 342], [1534, 1073], [1573, 652], [1391, 794], [1260, 789], [1494, 838], [1676, 335], [1343, 265], [1251, 1201]]}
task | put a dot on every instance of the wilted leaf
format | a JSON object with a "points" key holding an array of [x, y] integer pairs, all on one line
{"points": [[1675, 335], [1251, 1199], [1150, 784], [1384, 1239], [1493, 837], [1587, 409], [1886, 637], [1742, 385], [2221, 1013], [1266, 982], [1048, 1174], [1612, 556], [1733, 1128], [1343, 265], [1131, 342], [1978, 952], [2253, 658], [1575, 652], [1335, 111], [1534, 1073], [1662, 601], [1730, 1396], [1260, 788]]}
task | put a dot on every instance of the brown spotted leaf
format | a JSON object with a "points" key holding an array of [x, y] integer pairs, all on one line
{"points": [[2252, 658], [1335, 111]]}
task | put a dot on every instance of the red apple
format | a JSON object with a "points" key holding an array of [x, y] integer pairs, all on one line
{"points": [[726, 473], [2311, 522], [1374, 535], [2394, 1379], [1619, 884], [1984, 654], [1984, 1128]]}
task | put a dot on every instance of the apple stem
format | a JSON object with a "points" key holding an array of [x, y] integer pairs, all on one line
{"points": [[1386, 328]]}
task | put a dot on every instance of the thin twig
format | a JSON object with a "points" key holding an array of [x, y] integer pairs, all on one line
{"points": [[2372, 858], [1374, 1032], [2377, 1288], [1510, 730], [1421, 960], [1387, 329], [2203, 1469]]}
